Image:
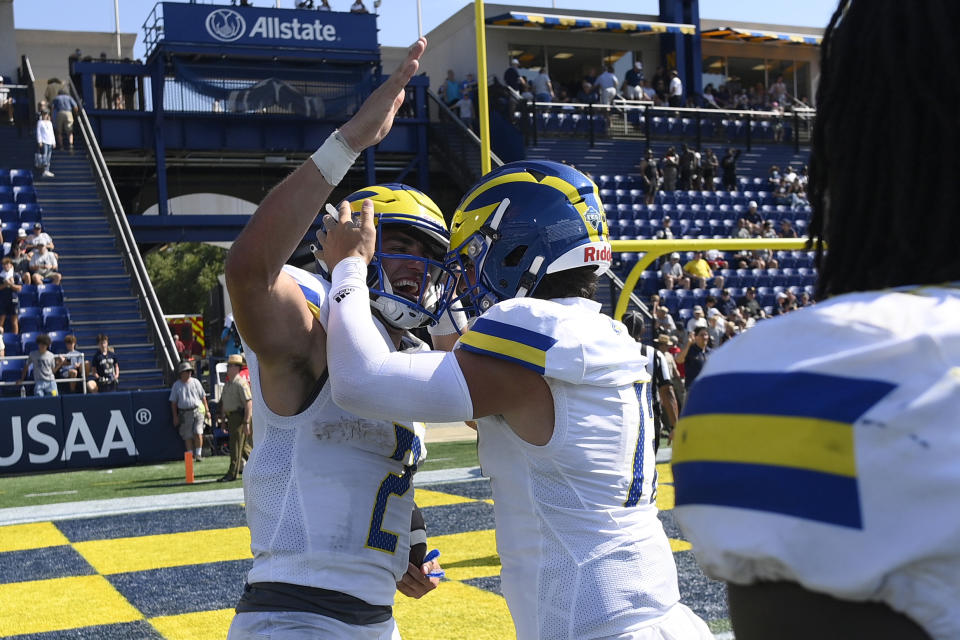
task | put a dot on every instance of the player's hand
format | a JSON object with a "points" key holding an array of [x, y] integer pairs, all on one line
{"points": [[372, 122], [343, 237], [416, 583]]}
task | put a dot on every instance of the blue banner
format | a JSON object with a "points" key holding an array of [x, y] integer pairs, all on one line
{"points": [[94, 430], [252, 26]]}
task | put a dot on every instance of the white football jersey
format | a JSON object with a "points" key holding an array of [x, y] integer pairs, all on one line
{"points": [[583, 552], [329, 495], [822, 448]]}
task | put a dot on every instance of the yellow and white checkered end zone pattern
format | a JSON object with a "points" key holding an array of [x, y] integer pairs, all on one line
{"points": [[177, 574]]}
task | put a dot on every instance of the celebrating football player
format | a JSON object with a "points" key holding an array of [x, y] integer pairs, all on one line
{"points": [[324, 488], [551, 380]]}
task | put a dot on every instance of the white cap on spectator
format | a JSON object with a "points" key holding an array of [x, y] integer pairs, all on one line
{"points": [[674, 256], [21, 233], [514, 61], [698, 308], [752, 204], [781, 295], [712, 254]]}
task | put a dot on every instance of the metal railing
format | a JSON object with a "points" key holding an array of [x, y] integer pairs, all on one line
{"points": [[158, 329], [457, 142], [24, 383]]}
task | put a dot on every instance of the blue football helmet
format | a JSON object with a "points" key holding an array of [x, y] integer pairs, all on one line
{"points": [[414, 301], [521, 222]]}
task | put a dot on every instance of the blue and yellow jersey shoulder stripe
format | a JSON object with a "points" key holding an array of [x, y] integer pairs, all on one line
{"points": [[508, 342], [777, 442]]}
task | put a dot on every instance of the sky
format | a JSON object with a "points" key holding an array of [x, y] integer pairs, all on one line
{"points": [[398, 18]]}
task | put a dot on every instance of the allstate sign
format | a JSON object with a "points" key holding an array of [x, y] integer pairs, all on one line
{"points": [[251, 26]]}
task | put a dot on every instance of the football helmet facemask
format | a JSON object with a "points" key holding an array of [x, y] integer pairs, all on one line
{"points": [[414, 298]]}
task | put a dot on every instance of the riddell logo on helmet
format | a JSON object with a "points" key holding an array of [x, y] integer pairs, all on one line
{"points": [[592, 254]]}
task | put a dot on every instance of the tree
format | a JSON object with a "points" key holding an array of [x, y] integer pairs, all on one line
{"points": [[182, 275]]}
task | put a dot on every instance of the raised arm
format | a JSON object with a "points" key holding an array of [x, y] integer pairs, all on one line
{"points": [[268, 306]]}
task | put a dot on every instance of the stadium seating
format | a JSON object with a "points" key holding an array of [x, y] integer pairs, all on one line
{"points": [[31, 319], [55, 319], [28, 341], [11, 344], [50, 295]]}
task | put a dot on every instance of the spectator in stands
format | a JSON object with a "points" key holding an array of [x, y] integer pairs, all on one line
{"points": [[464, 108], [542, 87], [778, 91], [10, 285], [633, 82], [236, 408], [753, 218], [726, 304], [686, 167], [43, 362], [750, 307], [805, 300], [229, 337], [649, 176], [659, 84], [647, 92], [40, 237], [43, 265], [716, 327], [450, 89], [675, 89], [20, 255], [607, 85], [708, 168], [128, 88], [105, 369], [767, 231], [701, 273], [6, 104], [665, 232], [697, 320], [103, 82], [694, 355], [728, 166], [45, 142], [671, 168], [665, 344], [324, 6], [663, 322], [188, 404], [673, 275], [358, 7], [71, 365], [786, 229], [709, 99], [64, 109], [586, 95], [304, 4], [511, 77]]}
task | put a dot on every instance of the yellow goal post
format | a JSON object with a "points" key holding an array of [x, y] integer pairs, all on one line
{"points": [[653, 249]]}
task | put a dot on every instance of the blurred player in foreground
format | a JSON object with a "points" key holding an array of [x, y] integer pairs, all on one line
{"points": [[324, 489], [816, 463], [551, 380]]}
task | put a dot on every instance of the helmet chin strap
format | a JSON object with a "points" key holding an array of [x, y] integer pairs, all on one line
{"points": [[528, 279]]}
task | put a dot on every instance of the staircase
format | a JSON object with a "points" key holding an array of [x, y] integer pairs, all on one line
{"points": [[96, 285]]}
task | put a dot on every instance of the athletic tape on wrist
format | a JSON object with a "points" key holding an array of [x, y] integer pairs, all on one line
{"points": [[349, 273], [334, 158]]}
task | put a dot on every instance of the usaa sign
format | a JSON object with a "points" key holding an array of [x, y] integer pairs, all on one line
{"points": [[251, 26], [74, 431]]}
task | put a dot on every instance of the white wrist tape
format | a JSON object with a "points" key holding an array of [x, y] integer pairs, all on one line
{"points": [[334, 158], [370, 380]]}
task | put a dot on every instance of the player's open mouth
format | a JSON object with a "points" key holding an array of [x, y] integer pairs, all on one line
{"points": [[407, 288]]}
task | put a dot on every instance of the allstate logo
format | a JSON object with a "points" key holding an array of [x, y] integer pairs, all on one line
{"points": [[226, 25]]}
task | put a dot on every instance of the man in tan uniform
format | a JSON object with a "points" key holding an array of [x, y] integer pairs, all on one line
{"points": [[236, 404]]}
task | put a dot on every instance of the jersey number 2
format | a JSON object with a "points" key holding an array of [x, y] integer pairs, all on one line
{"points": [[407, 444]]}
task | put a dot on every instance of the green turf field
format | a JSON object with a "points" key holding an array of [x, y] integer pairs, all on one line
{"points": [[157, 479]]}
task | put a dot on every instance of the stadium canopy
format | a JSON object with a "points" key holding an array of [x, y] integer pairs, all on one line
{"points": [[586, 24], [751, 35]]}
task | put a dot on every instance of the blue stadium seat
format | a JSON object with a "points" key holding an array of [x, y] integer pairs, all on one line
{"points": [[639, 211], [8, 213], [735, 293], [11, 344], [667, 197], [21, 177], [24, 195], [654, 211], [57, 344], [4, 177], [622, 196], [708, 198], [684, 315], [637, 196], [50, 295], [10, 371], [607, 196], [610, 210], [29, 213], [649, 283], [28, 296], [55, 319], [28, 341], [603, 181], [810, 289], [6, 194], [625, 211], [681, 197], [31, 319]]}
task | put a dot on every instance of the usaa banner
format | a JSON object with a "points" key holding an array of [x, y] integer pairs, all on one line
{"points": [[251, 26]]}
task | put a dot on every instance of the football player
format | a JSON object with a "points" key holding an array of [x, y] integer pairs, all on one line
{"points": [[816, 463], [551, 381], [324, 488]]}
